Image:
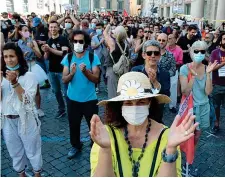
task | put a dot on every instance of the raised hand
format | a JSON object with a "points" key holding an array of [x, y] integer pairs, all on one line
{"points": [[98, 133], [211, 66], [181, 133]]}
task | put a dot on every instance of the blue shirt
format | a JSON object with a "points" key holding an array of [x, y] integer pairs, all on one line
{"points": [[30, 55], [163, 77], [81, 89]]}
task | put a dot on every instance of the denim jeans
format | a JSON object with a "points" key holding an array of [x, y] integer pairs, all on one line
{"points": [[58, 87]]}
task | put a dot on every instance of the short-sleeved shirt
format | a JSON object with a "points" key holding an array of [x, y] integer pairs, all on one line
{"points": [[81, 89], [55, 60], [198, 89], [30, 55], [167, 63], [183, 42], [146, 161], [217, 55]]}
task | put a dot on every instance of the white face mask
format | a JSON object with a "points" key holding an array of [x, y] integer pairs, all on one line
{"points": [[78, 48], [135, 115]]}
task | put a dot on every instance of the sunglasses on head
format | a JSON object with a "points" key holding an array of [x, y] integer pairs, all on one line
{"points": [[201, 51], [159, 40], [156, 53], [79, 41]]}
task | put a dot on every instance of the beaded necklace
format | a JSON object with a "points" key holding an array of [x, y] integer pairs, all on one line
{"points": [[136, 164]]}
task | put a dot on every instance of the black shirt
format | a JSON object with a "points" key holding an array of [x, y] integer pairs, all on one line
{"points": [[183, 42], [54, 60], [5, 29], [42, 35]]}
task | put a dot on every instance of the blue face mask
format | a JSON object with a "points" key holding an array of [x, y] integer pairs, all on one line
{"points": [[99, 31], [198, 58], [93, 25], [13, 21], [13, 68]]}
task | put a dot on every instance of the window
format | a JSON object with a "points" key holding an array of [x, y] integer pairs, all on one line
{"points": [[188, 9], [96, 4], [108, 4], [139, 2], [120, 5]]}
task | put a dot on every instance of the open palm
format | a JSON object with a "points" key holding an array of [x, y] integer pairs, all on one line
{"points": [[181, 133], [211, 66], [98, 132]]}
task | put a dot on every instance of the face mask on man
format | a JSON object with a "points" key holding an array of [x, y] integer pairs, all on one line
{"points": [[78, 48], [99, 31], [68, 25], [93, 25], [199, 57], [207, 31], [135, 115]]}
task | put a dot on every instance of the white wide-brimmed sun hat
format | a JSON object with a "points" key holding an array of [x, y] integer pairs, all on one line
{"points": [[134, 86]]}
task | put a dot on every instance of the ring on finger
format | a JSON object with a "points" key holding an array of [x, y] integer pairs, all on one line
{"points": [[186, 133]]}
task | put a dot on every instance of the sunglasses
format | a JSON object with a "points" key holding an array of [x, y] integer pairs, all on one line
{"points": [[159, 40], [156, 53], [79, 41], [197, 51], [147, 31]]}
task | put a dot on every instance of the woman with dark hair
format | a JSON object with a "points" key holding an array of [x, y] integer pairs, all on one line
{"points": [[31, 52], [132, 143], [20, 123]]}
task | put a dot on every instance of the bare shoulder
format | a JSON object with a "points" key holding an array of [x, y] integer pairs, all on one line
{"points": [[156, 128]]}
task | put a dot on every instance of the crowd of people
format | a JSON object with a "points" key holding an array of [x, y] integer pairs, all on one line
{"points": [[145, 63]]}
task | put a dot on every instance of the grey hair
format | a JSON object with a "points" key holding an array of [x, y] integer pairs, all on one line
{"points": [[151, 43], [199, 44]]}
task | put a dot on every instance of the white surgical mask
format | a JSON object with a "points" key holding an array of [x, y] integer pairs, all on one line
{"points": [[68, 25], [78, 48], [135, 115]]}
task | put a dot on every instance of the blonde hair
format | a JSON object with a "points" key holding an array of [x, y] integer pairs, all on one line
{"points": [[120, 33]]}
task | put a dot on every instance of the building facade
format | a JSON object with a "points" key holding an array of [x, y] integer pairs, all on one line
{"points": [[211, 10]]}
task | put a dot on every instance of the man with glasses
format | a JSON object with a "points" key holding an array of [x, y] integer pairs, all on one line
{"points": [[55, 49], [159, 78], [168, 63], [81, 73], [147, 33]]}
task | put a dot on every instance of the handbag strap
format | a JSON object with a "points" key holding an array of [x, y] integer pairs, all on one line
{"points": [[156, 153], [117, 153], [121, 49]]}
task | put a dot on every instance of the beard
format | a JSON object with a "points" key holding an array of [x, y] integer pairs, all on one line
{"points": [[223, 46]]}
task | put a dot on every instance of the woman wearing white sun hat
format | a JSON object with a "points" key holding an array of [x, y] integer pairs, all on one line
{"points": [[132, 143]]}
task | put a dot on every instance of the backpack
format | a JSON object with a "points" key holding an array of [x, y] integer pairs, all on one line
{"points": [[91, 59], [123, 65]]}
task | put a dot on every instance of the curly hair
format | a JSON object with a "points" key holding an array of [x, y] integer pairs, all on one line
{"points": [[113, 113], [23, 63], [87, 39]]}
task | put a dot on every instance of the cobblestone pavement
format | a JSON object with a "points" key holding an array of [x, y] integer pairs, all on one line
{"points": [[210, 157]]}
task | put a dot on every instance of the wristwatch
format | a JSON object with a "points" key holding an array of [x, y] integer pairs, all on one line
{"points": [[169, 158]]}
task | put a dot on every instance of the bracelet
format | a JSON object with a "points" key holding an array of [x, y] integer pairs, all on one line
{"points": [[169, 158], [16, 85]]}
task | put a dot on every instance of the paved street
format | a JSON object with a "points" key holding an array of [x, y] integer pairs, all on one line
{"points": [[210, 157]]}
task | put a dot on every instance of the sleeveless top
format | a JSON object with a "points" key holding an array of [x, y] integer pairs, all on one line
{"points": [[116, 54], [146, 161]]}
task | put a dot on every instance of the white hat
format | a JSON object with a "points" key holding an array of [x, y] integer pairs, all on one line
{"points": [[134, 86]]}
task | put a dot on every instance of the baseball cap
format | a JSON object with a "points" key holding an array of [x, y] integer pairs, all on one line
{"points": [[36, 21]]}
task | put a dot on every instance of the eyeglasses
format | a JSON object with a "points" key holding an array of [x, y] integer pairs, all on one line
{"points": [[79, 41], [197, 51], [159, 40], [156, 53]]}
